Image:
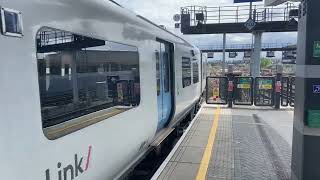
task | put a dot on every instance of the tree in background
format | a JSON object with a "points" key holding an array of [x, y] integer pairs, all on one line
{"points": [[265, 62]]}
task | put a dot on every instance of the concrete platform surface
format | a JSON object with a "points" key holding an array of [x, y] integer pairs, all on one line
{"points": [[233, 144]]}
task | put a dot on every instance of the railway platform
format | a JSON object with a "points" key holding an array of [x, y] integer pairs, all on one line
{"points": [[242, 143]]}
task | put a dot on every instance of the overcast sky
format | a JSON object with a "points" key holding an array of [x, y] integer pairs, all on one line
{"points": [[161, 12]]}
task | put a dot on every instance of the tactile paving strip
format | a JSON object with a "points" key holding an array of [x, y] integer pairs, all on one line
{"points": [[248, 149], [245, 148]]}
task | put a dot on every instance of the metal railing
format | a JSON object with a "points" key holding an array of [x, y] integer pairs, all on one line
{"points": [[46, 38], [248, 46], [238, 14]]}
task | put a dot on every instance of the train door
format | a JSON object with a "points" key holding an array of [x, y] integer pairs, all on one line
{"points": [[164, 77]]}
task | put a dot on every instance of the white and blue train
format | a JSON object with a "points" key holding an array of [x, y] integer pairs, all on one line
{"points": [[87, 88]]}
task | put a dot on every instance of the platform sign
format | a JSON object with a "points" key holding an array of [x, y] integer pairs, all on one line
{"points": [[265, 84], [250, 24], [245, 1], [316, 49], [210, 55], [244, 83], [232, 54], [316, 89], [247, 54], [314, 118]]}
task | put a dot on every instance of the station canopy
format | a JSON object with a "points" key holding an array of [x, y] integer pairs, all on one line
{"points": [[244, 1], [277, 2]]}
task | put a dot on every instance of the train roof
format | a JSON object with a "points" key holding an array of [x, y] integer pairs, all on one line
{"points": [[155, 25], [92, 17]]}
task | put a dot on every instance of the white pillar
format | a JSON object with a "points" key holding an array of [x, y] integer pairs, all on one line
{"points": [[224, 54], [256, 57]]}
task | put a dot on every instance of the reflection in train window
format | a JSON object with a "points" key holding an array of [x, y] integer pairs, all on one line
{"points": [[186, 72], [83, 80], [165, 51], [195, 68], [204, 67]]}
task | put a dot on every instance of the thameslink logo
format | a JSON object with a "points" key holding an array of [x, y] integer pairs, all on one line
{"points": [[72, 170]]}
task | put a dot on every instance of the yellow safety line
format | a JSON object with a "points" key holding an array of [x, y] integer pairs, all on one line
{"points": [[202, 172]]}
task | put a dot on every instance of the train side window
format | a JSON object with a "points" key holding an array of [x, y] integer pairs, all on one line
{"points": [[158, 71], [83, 80], [195, 68], [186, 72]]}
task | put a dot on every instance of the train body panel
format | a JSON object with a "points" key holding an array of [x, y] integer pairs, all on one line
{"points": [[103, 149]]}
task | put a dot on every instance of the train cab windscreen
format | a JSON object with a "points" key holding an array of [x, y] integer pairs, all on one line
{"points": [[82, 78]]}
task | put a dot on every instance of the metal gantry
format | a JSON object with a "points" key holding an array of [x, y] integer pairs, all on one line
{"points": [[232, 19], [238, 14]]}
